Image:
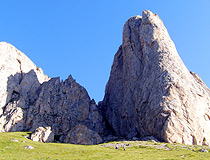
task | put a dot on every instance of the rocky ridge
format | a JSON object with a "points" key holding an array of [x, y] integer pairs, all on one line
{"points": [[150, 93], [64, 106], [30, 100]]}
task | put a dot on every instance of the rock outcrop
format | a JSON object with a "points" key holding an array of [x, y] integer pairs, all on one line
{"points": [[64, 105], [30, 101], [150, 92], [19, 79], [150, 95], [80, 134]]}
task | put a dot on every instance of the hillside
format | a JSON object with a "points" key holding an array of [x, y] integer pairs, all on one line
{"points": [[134, 150]]}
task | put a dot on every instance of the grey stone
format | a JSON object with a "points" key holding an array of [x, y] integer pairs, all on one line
{"points": [[14, 140], [64, 105], [203, 150], [42, 135], [80, 134], [32, 101], [19, 79], [151, 90], [149, 138], [48, 135], [133, 133], [29, 147]]}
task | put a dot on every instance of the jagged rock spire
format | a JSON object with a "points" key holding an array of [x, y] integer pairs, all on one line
{"points": [[151, 92]]}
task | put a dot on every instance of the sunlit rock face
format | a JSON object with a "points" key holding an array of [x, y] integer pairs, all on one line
{"points": [[30, 100], [150, 92], [19, 78]]}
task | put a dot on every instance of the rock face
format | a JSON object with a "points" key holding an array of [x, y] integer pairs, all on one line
{"points": [[80, 134], [19, 79], [64, 105], [30, 100], [150, 92]]}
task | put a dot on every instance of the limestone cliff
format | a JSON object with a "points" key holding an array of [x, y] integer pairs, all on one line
{"points": [[151, 92], [30, 100], [19, 79], [63, 106]]}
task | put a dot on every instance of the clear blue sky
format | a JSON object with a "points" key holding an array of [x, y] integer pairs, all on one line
{"points": [[80, 37]]}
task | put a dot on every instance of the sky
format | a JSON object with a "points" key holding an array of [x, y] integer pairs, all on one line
{"points": [[81, 37]]}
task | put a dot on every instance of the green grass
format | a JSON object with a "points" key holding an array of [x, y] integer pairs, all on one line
{"points": [[138, 150]]}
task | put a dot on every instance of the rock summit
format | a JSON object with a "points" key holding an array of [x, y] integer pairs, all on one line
{"points": [[150, 91]]}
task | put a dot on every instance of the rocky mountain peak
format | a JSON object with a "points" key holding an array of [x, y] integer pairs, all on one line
{"points": [[20, 61], [150, 93], [18, 74], [30, 100], [131, 28]]}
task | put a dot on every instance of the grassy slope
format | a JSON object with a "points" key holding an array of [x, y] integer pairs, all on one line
{"points": [[16, 150]]}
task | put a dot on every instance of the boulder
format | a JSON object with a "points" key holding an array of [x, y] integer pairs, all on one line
{"points": [[29, 147], [151, 91], [42, 134], [80, 134]]}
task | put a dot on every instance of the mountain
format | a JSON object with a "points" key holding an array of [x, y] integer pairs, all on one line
{"points": [[150, 93], [19, 79], [30, 99]]}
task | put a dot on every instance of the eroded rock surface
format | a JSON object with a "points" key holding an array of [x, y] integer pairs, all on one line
{"points": [[19, 79], [32, 101], [63, 105], [80, 134], [150, 92], [42, 134]]}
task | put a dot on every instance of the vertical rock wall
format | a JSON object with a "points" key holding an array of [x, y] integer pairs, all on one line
{"points": [[150, 91]]}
